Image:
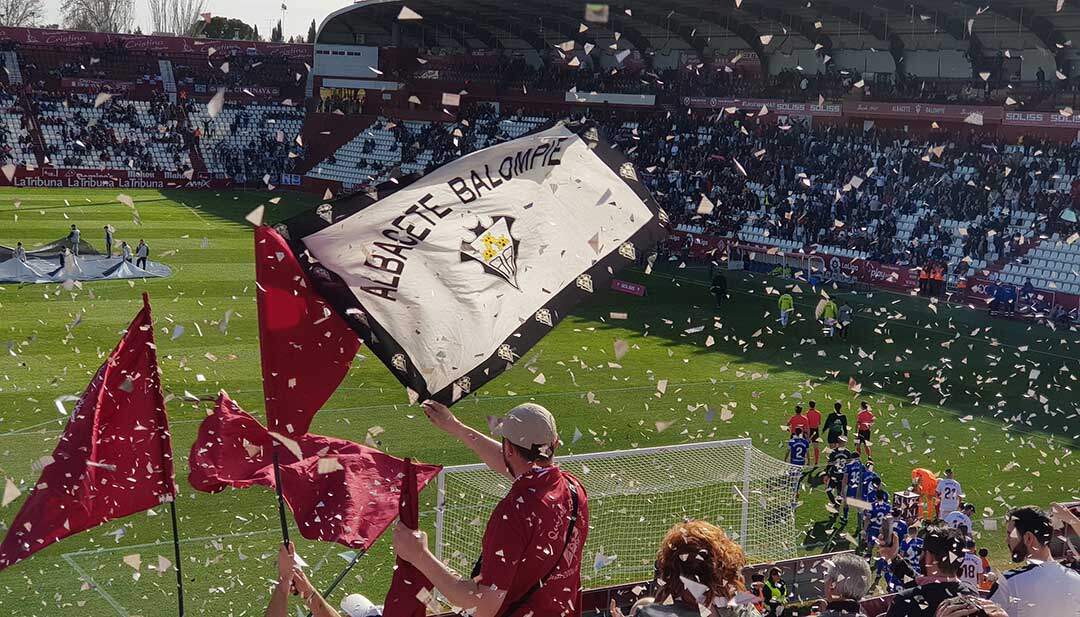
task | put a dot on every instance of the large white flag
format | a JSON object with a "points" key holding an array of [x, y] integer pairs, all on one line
{"points": [[451, 278]]}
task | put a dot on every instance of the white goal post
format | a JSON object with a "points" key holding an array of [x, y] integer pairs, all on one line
{"points": [[635, 496]]}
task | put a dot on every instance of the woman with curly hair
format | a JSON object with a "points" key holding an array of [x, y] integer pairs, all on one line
{"points": [[698, 565]]}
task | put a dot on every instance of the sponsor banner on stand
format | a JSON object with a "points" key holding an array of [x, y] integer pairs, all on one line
{"points": [[1043, 119], [80, 84], [776, 106], [923, 111], [111, 178]]}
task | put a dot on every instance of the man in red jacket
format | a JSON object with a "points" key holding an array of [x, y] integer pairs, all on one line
{"points": [[530, 561]]}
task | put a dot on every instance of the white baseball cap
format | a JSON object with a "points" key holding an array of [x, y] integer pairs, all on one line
{"points": [[528, 425], [356, 605]]}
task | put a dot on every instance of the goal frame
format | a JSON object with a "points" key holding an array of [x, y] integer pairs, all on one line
{"points": [[744, 442]]}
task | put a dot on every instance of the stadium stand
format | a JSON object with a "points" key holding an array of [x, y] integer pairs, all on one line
{"points": [[248, 141]]}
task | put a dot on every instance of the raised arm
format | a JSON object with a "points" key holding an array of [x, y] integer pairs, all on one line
{"points": [[487, 449], [279, 597]]}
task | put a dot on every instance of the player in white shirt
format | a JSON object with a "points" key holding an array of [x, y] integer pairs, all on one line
{"points": [[949, 494], [1042, 587], [971, 568], [961, 519]]}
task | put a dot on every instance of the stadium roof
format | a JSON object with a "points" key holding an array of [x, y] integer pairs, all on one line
{"points": [[702, 25]]}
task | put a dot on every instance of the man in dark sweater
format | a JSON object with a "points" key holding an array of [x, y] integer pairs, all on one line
{"points": [[836, 425], [943, 552]]}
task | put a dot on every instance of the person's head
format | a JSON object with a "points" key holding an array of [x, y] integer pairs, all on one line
{"points": [[73, 226], [913, 531], [943, 549], [18, 244], [813, 405], [847, 577], [529, 438], [864, 405], [798, 431], [984, 553], [948, 472], [1028, 531], [837, 407], [968, 509], [798, 410], [356, 605], [969, 546], [881, 495], [700, 552], [774, 575]]}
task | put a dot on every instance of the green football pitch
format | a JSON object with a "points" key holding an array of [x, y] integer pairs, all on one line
{"points": [[996, 400]]}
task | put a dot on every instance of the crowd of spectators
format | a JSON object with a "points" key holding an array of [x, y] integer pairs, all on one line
{"points": [[114, 130], [835, 186]]}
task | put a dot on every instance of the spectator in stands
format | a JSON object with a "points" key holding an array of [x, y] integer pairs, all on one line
{"points": [[847, 578], [698, 565], [531, 551], [942, 554], [1042, 587], [777, 599]]}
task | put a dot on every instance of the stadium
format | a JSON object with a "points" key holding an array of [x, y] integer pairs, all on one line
{"points": [[672, 222]]}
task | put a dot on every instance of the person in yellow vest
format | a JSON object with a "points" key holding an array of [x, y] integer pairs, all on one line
{"points": [[787, 306], [829, 314]]}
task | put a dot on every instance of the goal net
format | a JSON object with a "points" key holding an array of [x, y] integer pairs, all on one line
{"points": [[635, 496]]}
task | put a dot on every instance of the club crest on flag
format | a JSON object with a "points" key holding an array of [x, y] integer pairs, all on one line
{"points": [[544, 317], [495, 248]]}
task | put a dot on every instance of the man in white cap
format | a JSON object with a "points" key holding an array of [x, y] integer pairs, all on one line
{"points": [[530, 562]]}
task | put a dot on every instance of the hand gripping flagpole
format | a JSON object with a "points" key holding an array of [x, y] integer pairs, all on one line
{"points": [[280, 499]]}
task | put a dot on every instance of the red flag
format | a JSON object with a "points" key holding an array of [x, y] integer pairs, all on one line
{"points": [[114, 458], [306, 346], [402, 600], [339, 491]]}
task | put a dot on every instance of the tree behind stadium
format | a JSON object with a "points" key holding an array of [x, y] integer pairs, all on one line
{"points": [[21, 13], [179, 17], [98, 15]]}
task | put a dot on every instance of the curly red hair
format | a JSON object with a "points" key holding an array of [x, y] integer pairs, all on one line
{"points": [[701, 552]]}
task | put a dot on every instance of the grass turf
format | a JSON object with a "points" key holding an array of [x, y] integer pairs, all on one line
{"points": [[950, 387]]}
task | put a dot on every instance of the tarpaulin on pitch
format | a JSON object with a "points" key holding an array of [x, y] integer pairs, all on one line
{"points": [[452, 277]]}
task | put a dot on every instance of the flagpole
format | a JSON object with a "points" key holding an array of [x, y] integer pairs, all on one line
{"points": [[176, 554], [280, 499], [340, 577]]}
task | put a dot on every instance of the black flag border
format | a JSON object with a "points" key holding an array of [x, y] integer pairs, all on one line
{"points": [[382, 344]]}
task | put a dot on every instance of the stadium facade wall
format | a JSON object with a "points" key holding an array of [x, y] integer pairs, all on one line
{"points": [[153, 44], [111, 178]]}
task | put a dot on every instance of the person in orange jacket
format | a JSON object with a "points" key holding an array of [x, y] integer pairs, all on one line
{"points": [[924, 482]]}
